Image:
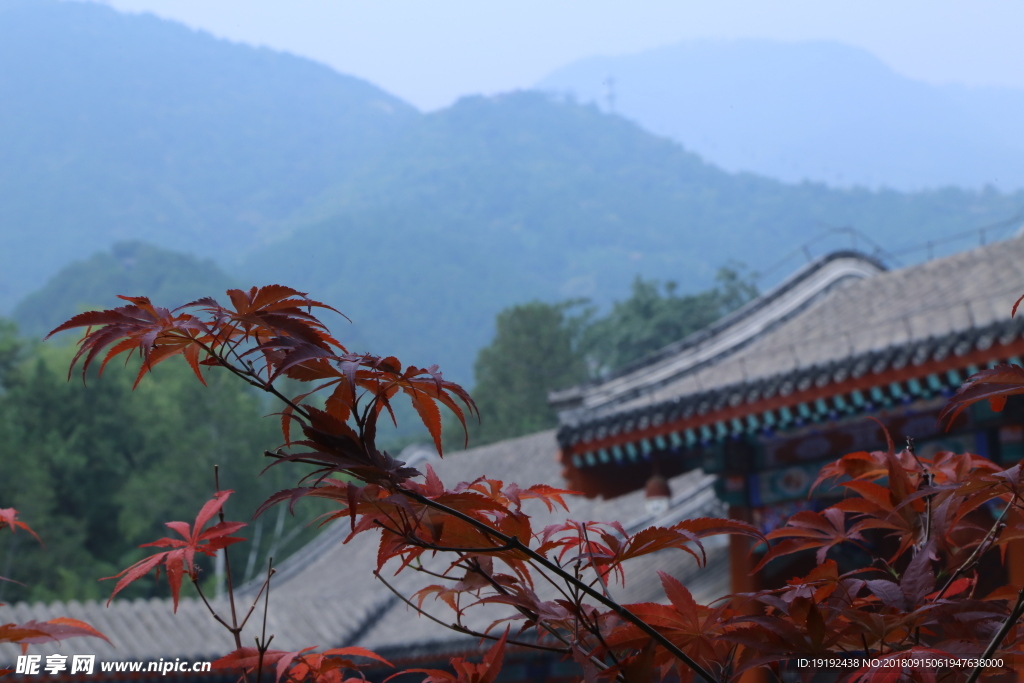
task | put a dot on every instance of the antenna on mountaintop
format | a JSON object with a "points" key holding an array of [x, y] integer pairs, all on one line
{"points": [[609, 87]]}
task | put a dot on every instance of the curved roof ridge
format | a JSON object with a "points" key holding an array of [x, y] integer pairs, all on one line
{"points": [[719, 339]]}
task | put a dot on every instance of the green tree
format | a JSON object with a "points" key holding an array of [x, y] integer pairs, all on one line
{"points": [[655, 316], [95, 465], [540, 347], [533, 352]]}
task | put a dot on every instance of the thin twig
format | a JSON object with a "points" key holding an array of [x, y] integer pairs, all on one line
{"points": [[525, 611], [926, 479], [468, 631], [985, 544], [420, 568], [210, 607], [255, 601], [597, 570], [262, 644], [553, 583], [535, 618], [1013, 618], [622, 611], [236, 630]]}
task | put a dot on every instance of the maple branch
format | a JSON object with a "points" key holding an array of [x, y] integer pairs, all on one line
{"points": [[444, 577], [262, 644], [596, 630], [412, 540], [926, 480], [577, 601], [253, 378], [258, 382], [236, 630], [195, 582], [467, 631], [553, 583], [458, 563], [255, 601], [581, 613], [597, 570], [514, 544], [1011, 620], [985, 544], [529, 614], [452, 549], [525, 611], [622, 611]]}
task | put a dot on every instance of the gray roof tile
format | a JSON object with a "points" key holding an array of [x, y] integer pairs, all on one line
{"points": [[875, 312]]}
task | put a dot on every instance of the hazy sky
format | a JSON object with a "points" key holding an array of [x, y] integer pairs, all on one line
{"points": [[430, 53]]}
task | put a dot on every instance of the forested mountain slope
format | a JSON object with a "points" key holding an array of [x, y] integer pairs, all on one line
{"points": [[118, 126], [421, 227], [499, 200], [167, 277]]}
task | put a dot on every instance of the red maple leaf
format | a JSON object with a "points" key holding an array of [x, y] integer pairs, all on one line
{"points": [[181, 560], [465, 671]]}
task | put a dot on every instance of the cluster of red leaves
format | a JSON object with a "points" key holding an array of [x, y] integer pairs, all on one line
{"points": [[302, 665], [917, 602], [918, 599], [9, 520], [37, 631], [181, 561], [465, 671], [497, 562], [267, 333]]}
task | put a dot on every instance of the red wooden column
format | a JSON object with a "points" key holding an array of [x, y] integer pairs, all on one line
{"points": [[741, 579], [739, 554]]}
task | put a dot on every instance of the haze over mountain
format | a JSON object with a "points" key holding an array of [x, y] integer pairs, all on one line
{"points": [[421, 227], [812, 110], [502, 199], [118, 126], [167, 277]]}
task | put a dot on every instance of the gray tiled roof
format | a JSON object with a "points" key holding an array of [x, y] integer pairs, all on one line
{"points": [[326, 595], [706, 347], [955, 300], [965, 291]]}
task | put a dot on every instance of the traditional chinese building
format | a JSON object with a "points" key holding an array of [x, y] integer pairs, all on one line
{"points": [[767, 395]]}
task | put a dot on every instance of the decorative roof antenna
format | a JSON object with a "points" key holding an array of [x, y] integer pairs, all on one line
{"points": [[609, 90]]}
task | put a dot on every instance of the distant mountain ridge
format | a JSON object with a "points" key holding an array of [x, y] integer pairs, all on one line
{"points": [[815, 111], [498, 200], [117, 126], [134, 268], [421, 227]]}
